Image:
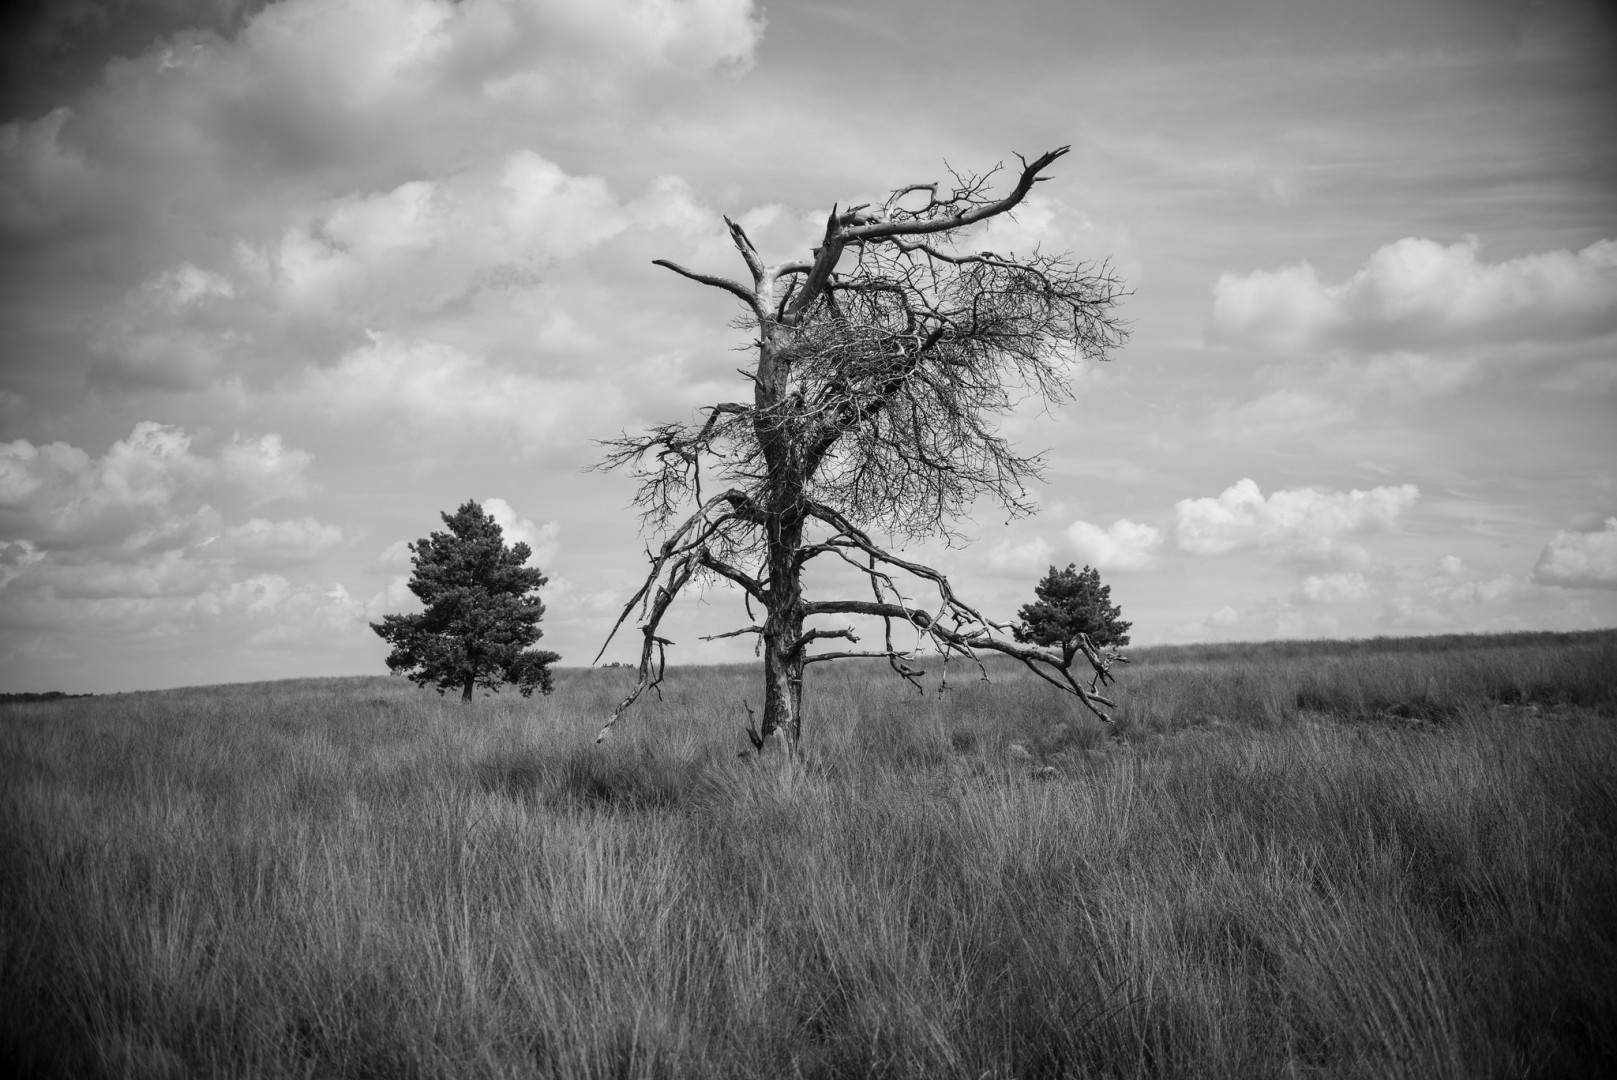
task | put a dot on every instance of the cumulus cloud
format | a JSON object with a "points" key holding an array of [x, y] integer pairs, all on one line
{"points": [[366, 86], [128, 541], [412, 385], [1028, 557], [427, 243], [1580, 560], [59, 497], [1303, 525], [172, 332], [543, 540], [1418, 293], [1126, 545], [261, 542], [329, 166], [1336, 588], [462, 254], [1424, 599], [394, 559], [265, 468]]}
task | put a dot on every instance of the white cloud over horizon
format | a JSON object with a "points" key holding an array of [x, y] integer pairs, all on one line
{"points": [[130, 540], [1124, 546], [1305, 525], [1580, 559], [1417, 293]]}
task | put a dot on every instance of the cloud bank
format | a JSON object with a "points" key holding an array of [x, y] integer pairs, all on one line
{"points": [[1125, 546], [1580, 560], [1306, 525], [1417, 293], [133, 537]]}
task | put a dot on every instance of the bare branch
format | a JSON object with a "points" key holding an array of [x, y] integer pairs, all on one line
{"points": [[752, 585], [815, 635], [746, 296], [838, 236], [1041, 662], [678, 549], [735, 633], [749, 254], [815, 658], [650, 677]]}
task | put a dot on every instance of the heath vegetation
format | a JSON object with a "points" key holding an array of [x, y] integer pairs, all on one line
{"points": [[1377, 859]]}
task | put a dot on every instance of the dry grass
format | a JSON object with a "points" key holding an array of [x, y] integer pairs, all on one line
{"points": [[1335, 860]]}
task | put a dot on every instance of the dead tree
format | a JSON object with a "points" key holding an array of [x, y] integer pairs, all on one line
{"points": [[883, 361]]}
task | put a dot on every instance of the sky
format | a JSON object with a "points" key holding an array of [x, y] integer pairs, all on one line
{"points": [[281, 282]]}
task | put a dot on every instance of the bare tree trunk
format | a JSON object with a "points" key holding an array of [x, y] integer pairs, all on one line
{"points": [[466, 689], [783, 630], [775, 425]]}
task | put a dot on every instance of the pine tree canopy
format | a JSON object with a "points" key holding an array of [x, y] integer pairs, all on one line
{"points": [[482, 611], [1072, 602]]}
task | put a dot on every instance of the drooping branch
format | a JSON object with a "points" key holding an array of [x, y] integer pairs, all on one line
{"points": [[651, 677], [686, 545], [1043, 663], [970, 630]]}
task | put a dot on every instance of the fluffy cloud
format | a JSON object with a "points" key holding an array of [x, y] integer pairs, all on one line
{"points": [[129, 537], [1418, 293], [1448, 593], [260, 542], [460, 255], [58, 497], [1337, 588], [412, 385], [173, 332], [1126, 545], [328, 166], [1303, 525], [371, 87], [427, 243], [1580, 560], [543, 540], [1029, 557]]}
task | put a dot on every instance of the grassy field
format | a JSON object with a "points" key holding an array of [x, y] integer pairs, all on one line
{"points": [[1377, 859]]}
